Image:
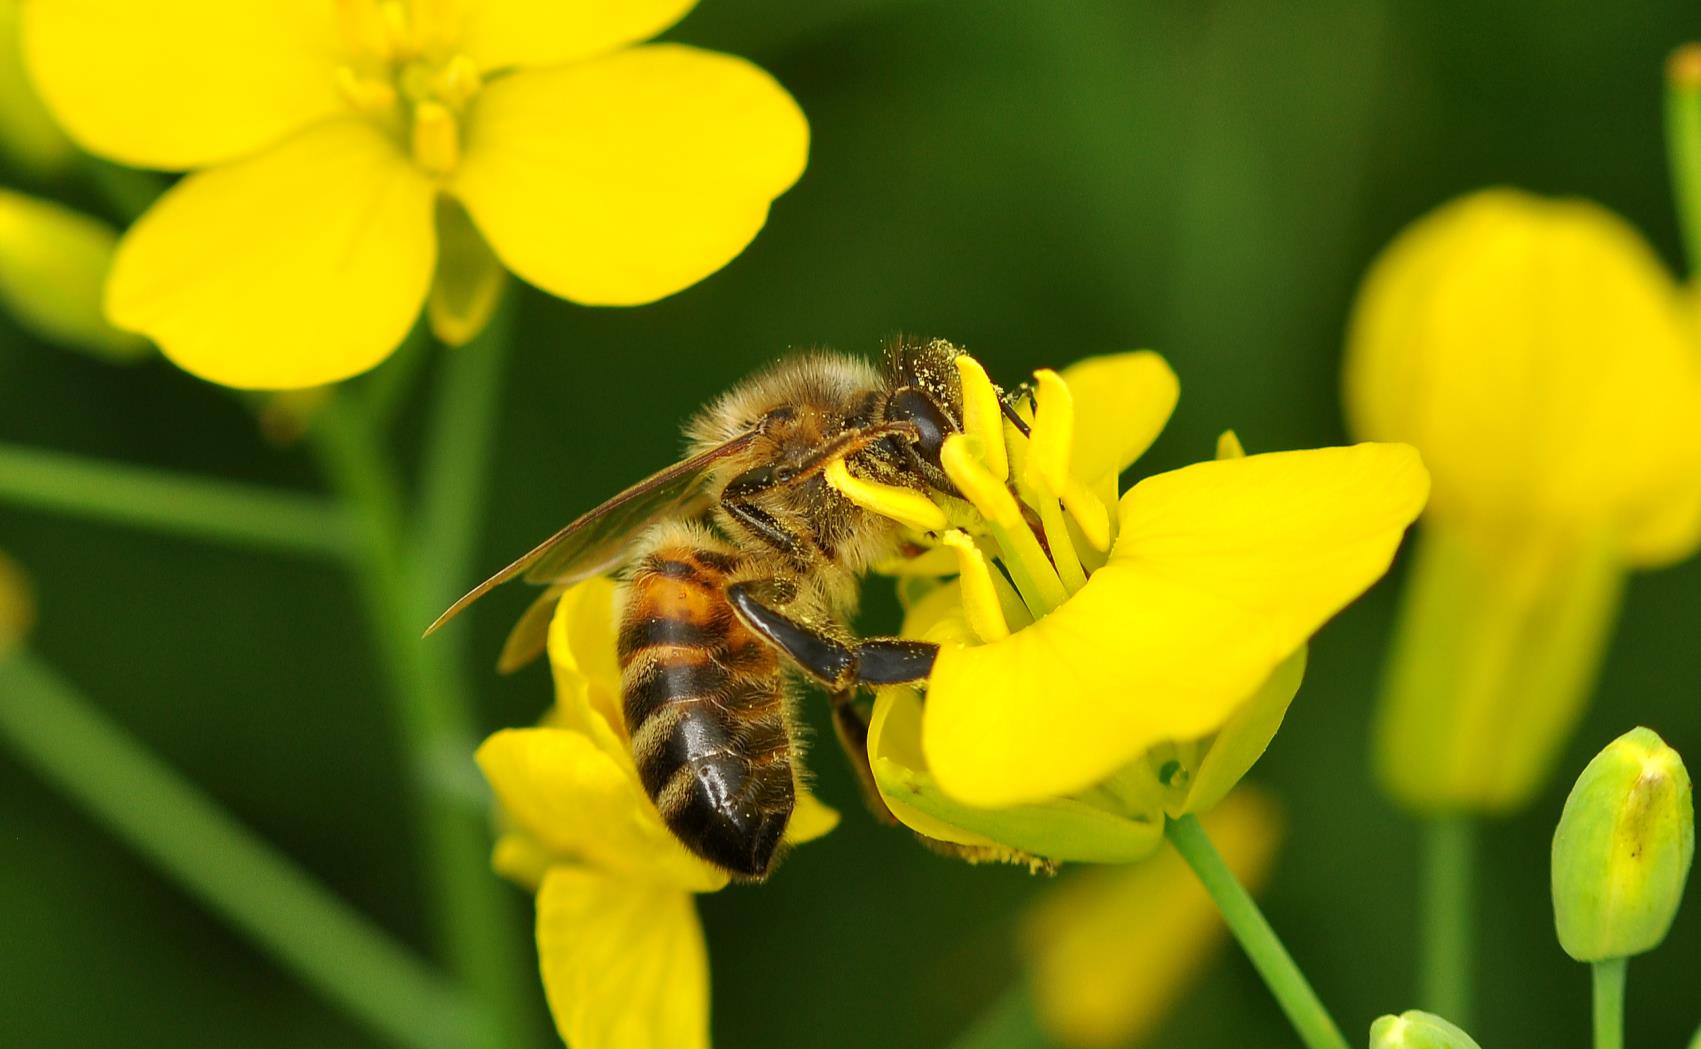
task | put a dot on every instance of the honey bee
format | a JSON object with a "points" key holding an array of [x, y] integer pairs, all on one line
{"points": [[740, 569]]}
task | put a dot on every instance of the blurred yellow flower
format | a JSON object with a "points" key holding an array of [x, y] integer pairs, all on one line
{"points": [[1537, 353], [53, 262], [353, 150], [1109, 951], [1133, 664], [17, 604], [621, 952]]}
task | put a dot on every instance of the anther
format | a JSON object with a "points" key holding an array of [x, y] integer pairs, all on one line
{"points": [[436, 138]]}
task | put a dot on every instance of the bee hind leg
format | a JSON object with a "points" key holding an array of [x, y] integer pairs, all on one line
{"points": [[850, 725], [838, 665]]}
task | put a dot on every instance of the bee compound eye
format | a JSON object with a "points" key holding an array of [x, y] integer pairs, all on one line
{"points": [[932, 426]]}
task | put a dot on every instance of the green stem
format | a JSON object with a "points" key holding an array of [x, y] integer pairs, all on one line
{"points": [[1298, 1001], [1447, 905], [434, 713], [328, 944], [1609, 1002], [1683, 144], [223, 511]]}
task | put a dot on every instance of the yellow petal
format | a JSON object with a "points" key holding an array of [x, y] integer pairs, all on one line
{"points": [[1064, 829], [504, 33], [301, 266], [1121, 402], [53, 265], [586, 666], [624, 965], [1219, 572], [811, 818], [629, 177], [522, 859], [582, 806], [1110, 951], [1534, 351], [180, 84]]}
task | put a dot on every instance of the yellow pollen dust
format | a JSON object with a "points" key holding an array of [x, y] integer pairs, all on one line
{"points": [[404, 73]]}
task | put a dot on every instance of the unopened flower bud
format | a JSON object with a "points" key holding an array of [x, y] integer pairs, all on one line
{"points": [[53, 265], [1418, 1030], [1622, 850]]}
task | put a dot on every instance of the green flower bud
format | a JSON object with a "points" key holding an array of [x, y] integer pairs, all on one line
{"points": [[1622, 850], [1418, 1030], [53, 264]]}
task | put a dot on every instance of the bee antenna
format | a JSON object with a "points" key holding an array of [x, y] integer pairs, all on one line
{"points": [[1009, 411]]}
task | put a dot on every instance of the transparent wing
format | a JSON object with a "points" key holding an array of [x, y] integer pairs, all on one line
{"points": [[596, 541]]}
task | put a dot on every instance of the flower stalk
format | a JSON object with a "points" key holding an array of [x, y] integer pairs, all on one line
{"points": [[1609, 977], [1263, 948], [1448, 903], [399, 581], [328, 944]]}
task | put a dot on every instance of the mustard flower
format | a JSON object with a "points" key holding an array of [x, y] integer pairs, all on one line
{"points": [[1109, 660], [53, 262], [1539, 356], [1111, 950], [619, 946], [354, 157]]}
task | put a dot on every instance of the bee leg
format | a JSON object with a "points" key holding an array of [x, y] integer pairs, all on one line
{"points": [[850, 725], [835, 664]]}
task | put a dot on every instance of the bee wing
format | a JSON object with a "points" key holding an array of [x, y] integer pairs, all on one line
{"points": [[596, 540]]}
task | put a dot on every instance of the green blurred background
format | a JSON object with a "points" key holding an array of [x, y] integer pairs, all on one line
{"points": [[1037, 180]]}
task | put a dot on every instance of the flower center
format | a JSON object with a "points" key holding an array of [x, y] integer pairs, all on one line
{"points": [[1031, 532], [403, 72]]}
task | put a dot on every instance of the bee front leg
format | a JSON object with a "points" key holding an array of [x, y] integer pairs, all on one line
{"points": [[838, 666]]}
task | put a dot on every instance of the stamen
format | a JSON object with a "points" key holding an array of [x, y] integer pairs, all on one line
{"points": [[436, 138], [983, 415], [458, 81], [398, 29], [364, 93], [1090, 514], [1228, 446], [1053, 434], [363, 29], [904, 505], [1035, 577], [980, 597]]}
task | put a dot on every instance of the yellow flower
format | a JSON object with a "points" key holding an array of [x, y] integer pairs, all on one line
{"points": [[53, 262], [1111, 950], [345, 145], [1538, 355], [1136, 663], [621, 952]]}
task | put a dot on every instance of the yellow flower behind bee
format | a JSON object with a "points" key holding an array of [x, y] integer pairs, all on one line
{"points": [[1109, 951], [354, 158], [620, 949], [1137, 662], [53, 262], [1537, 353]]}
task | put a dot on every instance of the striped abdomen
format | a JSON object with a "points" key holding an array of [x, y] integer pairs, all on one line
{"points": [[705, 706]]}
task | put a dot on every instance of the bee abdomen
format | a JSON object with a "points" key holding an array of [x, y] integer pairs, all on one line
{"points": [[705, 707]]}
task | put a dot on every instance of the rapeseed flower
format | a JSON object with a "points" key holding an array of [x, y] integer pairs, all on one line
{"points": [[1540, 356], [1106, 661], [1111, 950], [28, 136], [354, 158], [620, 948]]}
